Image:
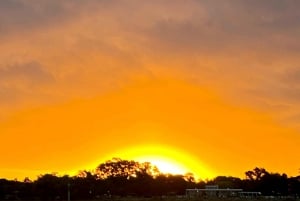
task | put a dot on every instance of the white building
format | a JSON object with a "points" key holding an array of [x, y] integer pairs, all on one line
{"points": [[211, 191]]}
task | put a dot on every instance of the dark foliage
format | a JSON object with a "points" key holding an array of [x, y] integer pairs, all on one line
{"points": [[129, 178]]}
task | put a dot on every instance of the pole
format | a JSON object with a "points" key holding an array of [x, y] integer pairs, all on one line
{"points": [[69, 193]]}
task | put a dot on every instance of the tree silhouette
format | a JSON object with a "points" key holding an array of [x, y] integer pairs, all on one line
{"points": [[227, 182], [123, 178], [256, 173], [125, 168]]}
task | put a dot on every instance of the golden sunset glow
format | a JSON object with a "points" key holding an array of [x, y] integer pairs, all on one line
{"points": [[168, 160], [206, 87], [165, 165]]}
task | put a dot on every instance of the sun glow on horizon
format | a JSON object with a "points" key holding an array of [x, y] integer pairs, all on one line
{"points": [[168, 160], [165, 165]]}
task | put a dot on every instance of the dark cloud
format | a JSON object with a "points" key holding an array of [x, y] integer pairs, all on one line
{"points": [[193, 24], [219, 25], [262, 14], [21, 16], [31, 73]]}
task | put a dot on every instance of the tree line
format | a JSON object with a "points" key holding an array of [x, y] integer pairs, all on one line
{"points": [[119, 177]]}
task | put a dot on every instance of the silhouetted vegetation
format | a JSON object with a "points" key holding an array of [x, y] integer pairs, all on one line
{"points": [[130, 178]]}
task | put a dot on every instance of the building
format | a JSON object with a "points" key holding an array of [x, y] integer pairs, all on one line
{"points": [[249, 194], [212, 191]]}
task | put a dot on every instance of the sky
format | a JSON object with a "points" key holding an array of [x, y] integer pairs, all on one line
{"points": [[212, 86]]}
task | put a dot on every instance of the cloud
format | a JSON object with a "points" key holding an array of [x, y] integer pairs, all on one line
{"points": [[240, 48], [20, 81], [57, 52], [7, 95], [230, 25], [31, 73], [23, 16]]}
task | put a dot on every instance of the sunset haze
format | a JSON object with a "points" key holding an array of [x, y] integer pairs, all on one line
{"points": [[209, 87]]}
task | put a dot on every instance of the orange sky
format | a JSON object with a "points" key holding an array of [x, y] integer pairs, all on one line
{"points": [[213, 85]]}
